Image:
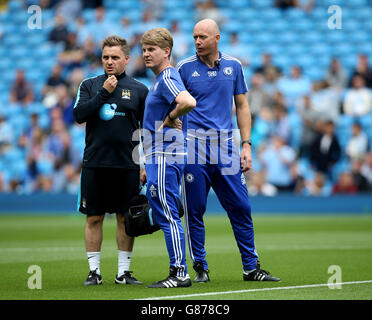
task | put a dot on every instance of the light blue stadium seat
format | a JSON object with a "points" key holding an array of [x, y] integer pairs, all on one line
{"points": [[304, 168], [129, 5], [306, 61], [26, 64], [278, 25], [187, 26], [232, 26], [303, 25], [171, 6], [334, 37], [35, 39], [269, 14], [320, 14], [274, 49], [326, 3], [45, 167], [349, 61], [245, 14], [133, 15], [294, 14], [261, 3], [342, 49], [296, 49], [341, 166], [366, 122], [314, 73], [44, 121], [283, 61], [88, 15], [12, 40], [15, 6], [254, 26], [364, 47], [287, 38], [345, 122], [356, 3], [12, 155], [265, 38], [320, 49], [8, 27], [351, 25], [113, 16], [35, 107], [311, 37], [360, 38]]}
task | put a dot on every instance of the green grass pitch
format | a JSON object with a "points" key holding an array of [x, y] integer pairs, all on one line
{"points": [[297, 248]]}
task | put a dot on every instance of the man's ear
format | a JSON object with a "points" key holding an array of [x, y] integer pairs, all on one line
{"points": [[167, 52]]}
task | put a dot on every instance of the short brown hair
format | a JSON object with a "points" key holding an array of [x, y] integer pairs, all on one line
{"points": [[160, 37], [113, 41]]}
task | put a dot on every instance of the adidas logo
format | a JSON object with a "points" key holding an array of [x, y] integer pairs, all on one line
{"points": [[195, 74]]}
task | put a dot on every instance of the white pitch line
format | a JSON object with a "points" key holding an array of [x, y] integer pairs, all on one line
{"points": [[254, 290]]}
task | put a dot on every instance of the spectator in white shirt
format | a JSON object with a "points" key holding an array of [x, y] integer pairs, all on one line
{"points": [[358, 99], [357, 146]]}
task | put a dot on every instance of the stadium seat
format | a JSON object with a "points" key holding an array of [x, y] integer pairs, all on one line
{"points": [[261, 3], [366, 122], [304, 168], [245, 15], [311, 37], [287, 38], [341, 166]]}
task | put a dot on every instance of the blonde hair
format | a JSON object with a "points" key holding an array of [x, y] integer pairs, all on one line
{"points": [[160, 37], [113, 41]]}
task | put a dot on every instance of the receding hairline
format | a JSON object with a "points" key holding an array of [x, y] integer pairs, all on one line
{"points": [[208, 24]]}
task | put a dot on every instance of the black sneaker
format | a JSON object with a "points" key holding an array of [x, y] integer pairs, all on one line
{"points": [[258, 275], [93, 279], [202, 275], [172, 281], [126, 278]]}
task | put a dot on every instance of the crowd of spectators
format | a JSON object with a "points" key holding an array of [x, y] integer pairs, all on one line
{"points": [[311, 137], [301, 143]]}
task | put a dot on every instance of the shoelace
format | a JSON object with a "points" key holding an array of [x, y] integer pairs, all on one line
{"points": [[264, 272]]}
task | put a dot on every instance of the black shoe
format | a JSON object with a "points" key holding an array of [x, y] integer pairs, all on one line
{"points": [[202, 275], [258, 275], [93, 279], [126, 278], [172, 281]]}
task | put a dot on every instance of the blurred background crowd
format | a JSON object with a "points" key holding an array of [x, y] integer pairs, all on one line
{"points": [[310, 85]]}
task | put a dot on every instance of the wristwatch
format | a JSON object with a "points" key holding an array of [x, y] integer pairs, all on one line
{"points": [[247, 141]]}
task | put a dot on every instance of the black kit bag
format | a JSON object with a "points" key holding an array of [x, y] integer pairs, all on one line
{"points": [[139, 219]]}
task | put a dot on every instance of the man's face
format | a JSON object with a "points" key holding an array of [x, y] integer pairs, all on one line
{"points": [[205, 41], [114, 60], [154, 56]]}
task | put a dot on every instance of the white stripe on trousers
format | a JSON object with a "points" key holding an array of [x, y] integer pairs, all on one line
{"points": [[186, 215], [175, 233]]}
